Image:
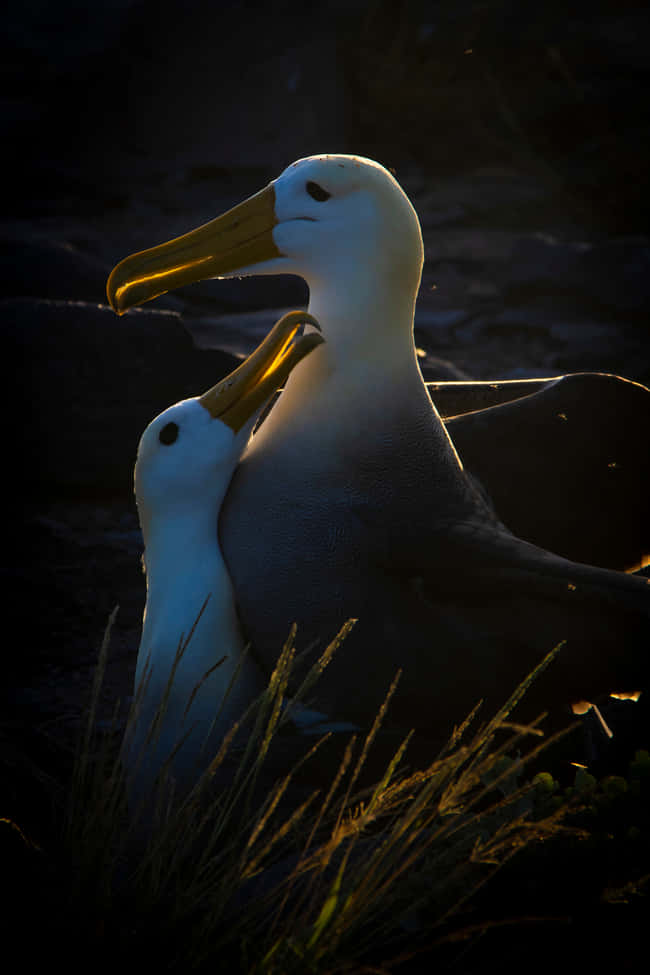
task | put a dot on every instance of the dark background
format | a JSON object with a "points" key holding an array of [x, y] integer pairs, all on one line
{"points": [[555, 89], [519, 130]]}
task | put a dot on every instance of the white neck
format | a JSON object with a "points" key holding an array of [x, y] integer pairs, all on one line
{"points": [[341, 388], [184, 569]]}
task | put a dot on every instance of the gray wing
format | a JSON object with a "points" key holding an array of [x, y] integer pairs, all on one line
{"points": [[479, 609], [566, 467], [489, 559]]}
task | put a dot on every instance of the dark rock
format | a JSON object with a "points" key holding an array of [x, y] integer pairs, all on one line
{"points": [[219, 86], [84, 383], [37, 267], [435, 369], [493, 196], [551, 336], [66, 570], [243, 294], [61, 39], [563, 92], [34, 266], [612, 274]]}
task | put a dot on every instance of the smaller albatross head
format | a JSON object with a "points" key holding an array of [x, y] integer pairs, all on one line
{"points": [[327, 218], [187, 454]]}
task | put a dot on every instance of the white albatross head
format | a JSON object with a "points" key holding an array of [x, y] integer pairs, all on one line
{"points": [[340, 222], [186, 457], [340, 214]]}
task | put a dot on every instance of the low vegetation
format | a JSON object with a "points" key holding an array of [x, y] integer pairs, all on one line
{"points": [[275, 863]]}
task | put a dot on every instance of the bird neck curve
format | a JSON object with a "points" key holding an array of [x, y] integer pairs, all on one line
{"points": [[183, 561], [364, 373], [188, 586], [366, 317]]}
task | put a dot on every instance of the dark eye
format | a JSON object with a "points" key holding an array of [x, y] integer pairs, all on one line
{"points": [[317, 192], [169, 433]]}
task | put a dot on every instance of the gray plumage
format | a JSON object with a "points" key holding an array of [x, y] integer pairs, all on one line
{"points": [[351, 501]]}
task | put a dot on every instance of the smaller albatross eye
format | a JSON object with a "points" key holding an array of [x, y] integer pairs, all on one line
{"points": [[317, 192], [169, 433]]}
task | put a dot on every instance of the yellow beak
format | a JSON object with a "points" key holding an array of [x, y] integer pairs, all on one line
{"points": [[237, 398], [237, 239]]}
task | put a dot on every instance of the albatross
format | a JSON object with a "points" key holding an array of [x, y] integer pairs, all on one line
{"points": [[193, 678], [351, 499]]}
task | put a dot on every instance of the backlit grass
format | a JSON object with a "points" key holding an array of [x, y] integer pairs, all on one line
{"points": [[331, 853], [266, 868]]}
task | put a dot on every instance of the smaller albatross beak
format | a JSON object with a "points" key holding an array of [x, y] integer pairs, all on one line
{"points": [[237, 239], [236, 398]]}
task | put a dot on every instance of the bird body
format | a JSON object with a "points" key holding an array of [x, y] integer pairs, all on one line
{"points": [[351, 499], [190, 611], [440, 589], [193, 676]]}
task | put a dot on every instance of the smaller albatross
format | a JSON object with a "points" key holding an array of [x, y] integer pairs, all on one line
{"points": [[185, 461]]}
